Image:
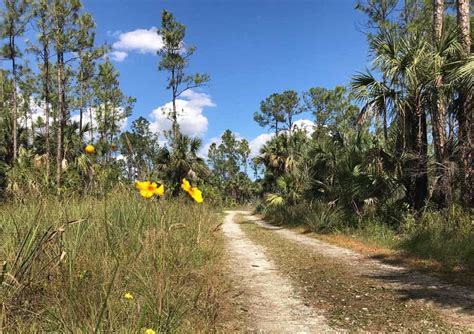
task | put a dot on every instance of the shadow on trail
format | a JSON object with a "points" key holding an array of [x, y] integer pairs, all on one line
{"points": [[413, 285]]}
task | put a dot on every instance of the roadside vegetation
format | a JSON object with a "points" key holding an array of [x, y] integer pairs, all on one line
{"points": [[387, 161]]}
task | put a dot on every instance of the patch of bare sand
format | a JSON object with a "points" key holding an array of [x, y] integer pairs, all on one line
{"points": [[271, 300]]}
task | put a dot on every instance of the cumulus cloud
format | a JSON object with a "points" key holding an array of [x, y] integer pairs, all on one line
{"points": [[117, 55], [139, 40], [257, 143], [190, 107], [305, 125]]}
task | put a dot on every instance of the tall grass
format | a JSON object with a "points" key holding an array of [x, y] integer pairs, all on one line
{"points": [[65, 265]]}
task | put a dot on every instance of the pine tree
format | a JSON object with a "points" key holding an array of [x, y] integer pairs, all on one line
{"points": [[15, 18], [174, 59]]}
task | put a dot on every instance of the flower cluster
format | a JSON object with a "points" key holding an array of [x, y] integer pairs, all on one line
{"points": [[149, 189], [194, 192]]}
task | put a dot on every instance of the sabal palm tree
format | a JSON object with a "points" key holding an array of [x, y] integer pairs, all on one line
{"points": [[182, 161], [405, 63]]}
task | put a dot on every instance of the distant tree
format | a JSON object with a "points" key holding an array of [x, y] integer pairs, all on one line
{"points": [[111, 105], [175, 57], [229, 161], [64, 32], [43, 25], [328, 106], [15, 19], [270, 114], [140, 148]]}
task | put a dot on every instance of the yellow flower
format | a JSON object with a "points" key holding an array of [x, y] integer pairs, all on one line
{"points": [[89, 149], [149, 331], [160, 191], [196, 194], [186, 186], [148, 189], [128, 296]]}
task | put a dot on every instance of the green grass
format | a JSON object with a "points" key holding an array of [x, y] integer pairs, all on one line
{"points": [[68, 263], [445, 236]]}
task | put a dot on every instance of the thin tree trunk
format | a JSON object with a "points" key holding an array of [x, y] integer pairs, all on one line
{"points": [[81, 101], [15, 100], [46, 109], [464, 114], [60, 128]]}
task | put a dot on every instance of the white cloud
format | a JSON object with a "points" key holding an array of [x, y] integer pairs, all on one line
{"points": [[257, 143], [141, 40], [190, 109], [304, 124], [117, 55]]}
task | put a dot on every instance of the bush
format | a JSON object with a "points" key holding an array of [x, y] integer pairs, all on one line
{"points": [[446, 235]]}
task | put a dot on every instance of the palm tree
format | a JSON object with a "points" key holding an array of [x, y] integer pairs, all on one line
{"points": [[181, 162], [405, 63]]}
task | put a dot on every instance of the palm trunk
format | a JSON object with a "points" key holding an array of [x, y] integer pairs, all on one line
{"points": [[464, 114]]}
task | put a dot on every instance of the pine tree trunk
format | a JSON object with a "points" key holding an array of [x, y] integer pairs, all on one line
{"points": [[81, 101], [15, 100], [464, 113], [46, 79], [442, 185], [60, 128]]}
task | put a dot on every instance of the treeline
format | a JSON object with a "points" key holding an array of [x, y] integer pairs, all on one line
{"points": [[68, 95], [60, 92], [400, 136]]}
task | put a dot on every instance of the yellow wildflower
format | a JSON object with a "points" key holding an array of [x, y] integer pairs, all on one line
{"points": [[128, 296], [160, 191], [149, 331], [89, 149], [185, 185], [148, 189], [194, 192]]}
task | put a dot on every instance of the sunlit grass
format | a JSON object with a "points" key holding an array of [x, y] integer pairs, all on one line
{"points": [[120, 263]]}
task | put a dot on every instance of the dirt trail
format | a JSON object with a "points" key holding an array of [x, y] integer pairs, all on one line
{"points": [[455, 304], [272, 302]]}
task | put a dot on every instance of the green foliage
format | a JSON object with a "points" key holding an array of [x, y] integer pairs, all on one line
{"points": [[229, 163]]}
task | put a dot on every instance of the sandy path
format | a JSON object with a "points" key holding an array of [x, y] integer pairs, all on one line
{"points": [[455, 303], [271, 300]]}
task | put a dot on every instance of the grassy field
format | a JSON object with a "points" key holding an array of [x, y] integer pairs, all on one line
{"points": [[119, 263]]}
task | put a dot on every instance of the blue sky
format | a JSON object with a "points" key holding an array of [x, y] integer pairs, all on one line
{"points": [[250, 48]]}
